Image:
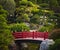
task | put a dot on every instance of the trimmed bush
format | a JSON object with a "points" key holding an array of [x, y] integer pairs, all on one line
{"points": [[55, 34]]}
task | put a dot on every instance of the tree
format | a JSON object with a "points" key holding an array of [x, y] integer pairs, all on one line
{"points": [[25, 10], [5, 33], [8, 5]]}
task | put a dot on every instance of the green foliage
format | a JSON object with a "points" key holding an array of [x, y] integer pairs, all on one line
{"points": [[24, 11], [58, 2], [54, 3], [26, 17], [5, 33], [2, 23], [23, 18], [34, 1], [27, 11], [44, 5], [34, 9], [3, 15], [19, 27], [2, 19], [42, 29], [3, 12], [35, 19], [39, 1], [47, 12], [24, 0], [26, 8], [56, 46], [30, 4], [6, 37], [27, 3], [9, 5], [46, 27], [58, 20], [55, 34], [34, 26], [0, 7]]}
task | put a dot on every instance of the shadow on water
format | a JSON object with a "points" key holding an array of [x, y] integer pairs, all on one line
{"points": [[27, 44]]}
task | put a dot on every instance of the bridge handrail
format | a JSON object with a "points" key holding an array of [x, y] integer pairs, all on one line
{"points": [[30, 35]]}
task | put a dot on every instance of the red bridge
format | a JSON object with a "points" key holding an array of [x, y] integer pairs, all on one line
{"points": [[30, 35]]}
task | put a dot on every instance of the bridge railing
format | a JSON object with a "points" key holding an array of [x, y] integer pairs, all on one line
{"points": [[32, 35]]}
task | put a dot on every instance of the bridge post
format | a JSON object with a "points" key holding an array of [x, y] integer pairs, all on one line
{"points": [[33, 34], [44, 35]]}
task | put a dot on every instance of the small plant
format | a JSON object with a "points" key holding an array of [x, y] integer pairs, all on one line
{"points": [[19, 27]]}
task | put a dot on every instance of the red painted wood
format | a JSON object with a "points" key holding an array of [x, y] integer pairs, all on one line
{"points": [[30, 35]]}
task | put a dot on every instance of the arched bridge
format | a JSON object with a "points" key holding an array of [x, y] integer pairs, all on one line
{"points": [[30, 36]]}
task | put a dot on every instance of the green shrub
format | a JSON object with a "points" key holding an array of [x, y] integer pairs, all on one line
{"points": [[56, 46], [42, 29], [19, 27]]}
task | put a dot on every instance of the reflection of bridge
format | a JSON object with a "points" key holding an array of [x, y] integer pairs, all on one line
{"points": [[31, 36]]}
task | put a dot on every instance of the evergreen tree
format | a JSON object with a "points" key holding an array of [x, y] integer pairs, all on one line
{"points": [[8, 5]]}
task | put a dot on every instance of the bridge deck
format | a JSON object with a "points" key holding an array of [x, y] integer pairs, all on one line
{"points": [[39, 39]]}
